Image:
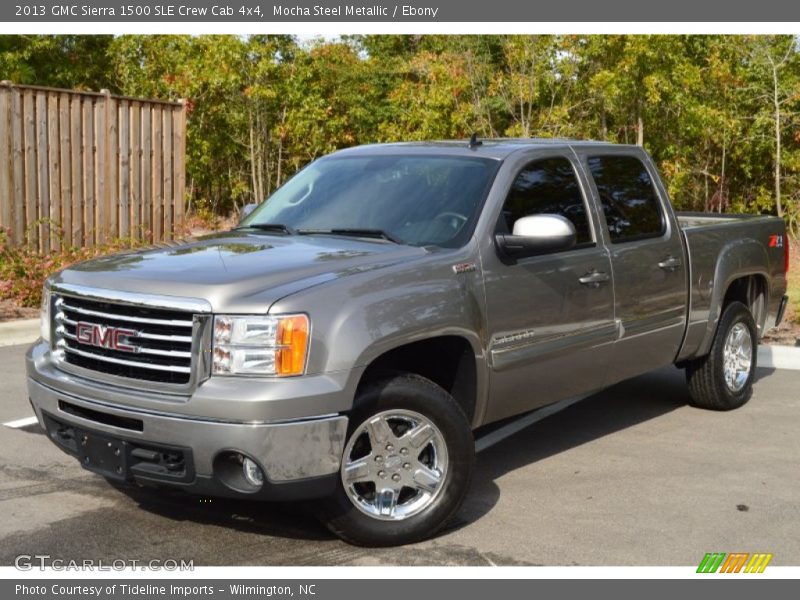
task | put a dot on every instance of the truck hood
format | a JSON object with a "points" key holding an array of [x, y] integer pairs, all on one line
{"points": [[236, 271]]}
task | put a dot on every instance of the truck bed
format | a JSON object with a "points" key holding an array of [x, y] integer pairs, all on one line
{"points": [[693, 220], [728, 244]]}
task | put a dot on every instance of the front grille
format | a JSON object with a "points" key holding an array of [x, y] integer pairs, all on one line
{"points": [[156, 345]]}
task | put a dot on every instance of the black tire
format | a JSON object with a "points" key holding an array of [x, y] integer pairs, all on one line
{"points": [[706, 377], [406, 392]]}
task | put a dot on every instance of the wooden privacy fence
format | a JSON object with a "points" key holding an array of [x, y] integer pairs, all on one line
{"points": [[85, 168]]}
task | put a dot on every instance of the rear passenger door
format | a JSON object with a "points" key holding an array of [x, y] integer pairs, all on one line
{"points": [[647, 260]]}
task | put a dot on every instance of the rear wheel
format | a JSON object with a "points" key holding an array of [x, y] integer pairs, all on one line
{"points": [[406, 466], [723, 380]]}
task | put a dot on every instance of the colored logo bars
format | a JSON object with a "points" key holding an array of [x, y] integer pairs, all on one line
{"points": [[737, 562]]}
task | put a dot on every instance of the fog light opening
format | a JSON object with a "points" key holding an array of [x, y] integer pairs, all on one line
{"points": [[252, 473], [239, 472]]}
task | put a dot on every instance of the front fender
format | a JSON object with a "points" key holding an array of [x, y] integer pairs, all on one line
{"points": [[358, 318]]}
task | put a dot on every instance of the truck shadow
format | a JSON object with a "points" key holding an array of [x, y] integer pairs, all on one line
{"points": [[622, 406], [276, 519], [619, 407]]}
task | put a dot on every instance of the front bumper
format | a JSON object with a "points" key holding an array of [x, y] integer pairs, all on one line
{"points": [[300, 456]]}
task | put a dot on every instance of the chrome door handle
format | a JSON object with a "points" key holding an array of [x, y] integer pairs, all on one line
{"points": [[670, 263], [594, 278]]}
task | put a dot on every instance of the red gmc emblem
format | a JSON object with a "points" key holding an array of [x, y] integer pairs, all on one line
{"points": [[103, 336]]}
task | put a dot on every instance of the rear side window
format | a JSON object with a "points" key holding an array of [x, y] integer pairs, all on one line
{"points": [[628, 198], [547, 186]]}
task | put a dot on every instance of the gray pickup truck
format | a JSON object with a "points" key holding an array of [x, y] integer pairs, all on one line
{"points": [[344, 341]]}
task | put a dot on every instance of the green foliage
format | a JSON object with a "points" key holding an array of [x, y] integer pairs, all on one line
{"points": [[718, 113], [23, 269], [66, 61]]}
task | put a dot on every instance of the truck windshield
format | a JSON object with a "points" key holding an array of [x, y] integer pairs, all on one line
{"points": [[418, 200]]}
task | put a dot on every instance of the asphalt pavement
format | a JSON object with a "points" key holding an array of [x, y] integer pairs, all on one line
{"points": [[630, 476]]}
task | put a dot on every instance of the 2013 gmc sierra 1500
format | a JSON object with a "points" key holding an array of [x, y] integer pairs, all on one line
{"points": [[343, 342]]}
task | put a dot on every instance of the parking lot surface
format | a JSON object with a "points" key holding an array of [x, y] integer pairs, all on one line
{"points": [[630, 476]]}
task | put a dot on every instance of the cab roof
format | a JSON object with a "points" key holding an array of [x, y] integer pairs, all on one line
{"points": [[493, 148]]}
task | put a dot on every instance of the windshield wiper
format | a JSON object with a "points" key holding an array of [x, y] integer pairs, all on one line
{"points": [[353, 232], [270, 227]]}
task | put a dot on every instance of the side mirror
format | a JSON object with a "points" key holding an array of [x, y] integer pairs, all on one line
{"points": [[246, 210], [538, 234]]}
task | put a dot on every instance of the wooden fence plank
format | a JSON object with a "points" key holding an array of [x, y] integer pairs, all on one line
{"points": [[76, 162], [100, 170], [6, 182], [124, 170], [65, 162], [29, 132], [157, 177], [54, 156], [112, 157], [179, 172], [18, 166], [136, 166], [169, 196], [147, 172], [89, 182], [43, 188]]}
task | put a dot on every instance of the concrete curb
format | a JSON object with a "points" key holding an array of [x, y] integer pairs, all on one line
{"points": [[779, 357], [22, 331]]}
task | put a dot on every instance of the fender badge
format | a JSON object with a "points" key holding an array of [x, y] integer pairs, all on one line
{"points": [[464, 268]]}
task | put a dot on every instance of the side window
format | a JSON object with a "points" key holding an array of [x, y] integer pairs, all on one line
{"points": [[547, 186], [628, 197]]}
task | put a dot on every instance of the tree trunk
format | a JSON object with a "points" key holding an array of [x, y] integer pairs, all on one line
{"points": [[280, 162], [722, 197], [260, 161], [268, 163], [279, 168], [254, 182], [603, 125], [639, 125]]}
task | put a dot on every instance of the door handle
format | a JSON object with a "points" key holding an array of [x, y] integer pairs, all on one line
{"points": [[594, 278], [670, 263]]}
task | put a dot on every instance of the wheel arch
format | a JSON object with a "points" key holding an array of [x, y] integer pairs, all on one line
{"points": [[449, 359], [748, 286]]}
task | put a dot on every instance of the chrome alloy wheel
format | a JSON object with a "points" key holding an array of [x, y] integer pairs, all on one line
{"points": [[737, 357], [395, 465]]}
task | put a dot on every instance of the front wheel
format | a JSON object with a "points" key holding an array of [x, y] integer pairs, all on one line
{"points": [[406, 466], [723, 380]]}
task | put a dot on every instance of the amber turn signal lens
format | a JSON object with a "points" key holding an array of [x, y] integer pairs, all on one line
{"points": [[292, 342]]}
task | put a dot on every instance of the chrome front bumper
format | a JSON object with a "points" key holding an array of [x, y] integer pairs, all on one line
{"points": [[293, 450]]}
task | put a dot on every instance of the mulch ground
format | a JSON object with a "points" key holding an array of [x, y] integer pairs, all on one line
{"points": [[10, 311]]}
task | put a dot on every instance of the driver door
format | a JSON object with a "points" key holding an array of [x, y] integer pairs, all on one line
{"points": [[550, 317]]}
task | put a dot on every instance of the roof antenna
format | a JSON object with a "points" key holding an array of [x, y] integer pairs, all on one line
{"points": [[474, 142]]}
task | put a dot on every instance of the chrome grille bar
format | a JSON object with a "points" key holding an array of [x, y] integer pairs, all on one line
{"points": [[128, 363], [185, 339], [141, 349], [61, 306]]}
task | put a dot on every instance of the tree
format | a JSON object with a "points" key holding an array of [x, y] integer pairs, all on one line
{"points": [[66, 61], [775, 66], [717, 113]]}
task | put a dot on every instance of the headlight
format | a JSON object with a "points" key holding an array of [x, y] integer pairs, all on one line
{"points": [[44, 324], [259, 345]]}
